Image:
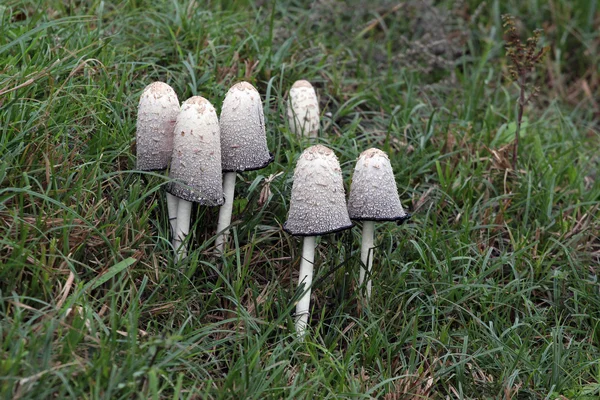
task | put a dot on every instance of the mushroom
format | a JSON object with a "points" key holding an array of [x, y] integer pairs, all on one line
{"points": [[196, 163], [303, 109], [157, 111], [373, 197], [243, 146], [317, 207]]}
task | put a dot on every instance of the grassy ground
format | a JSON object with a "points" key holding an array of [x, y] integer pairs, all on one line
{"points": [[490, 292]]}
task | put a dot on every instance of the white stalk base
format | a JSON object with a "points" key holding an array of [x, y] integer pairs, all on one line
{"points": [[172, 203], [225, 211], [305, 278], [184, 212], [366, 254]]}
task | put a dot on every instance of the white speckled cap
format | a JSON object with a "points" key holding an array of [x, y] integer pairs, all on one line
{"points": [[373, 192], [157, 112], [243, 136], [196, 161], [303, 109], [318, 203]]}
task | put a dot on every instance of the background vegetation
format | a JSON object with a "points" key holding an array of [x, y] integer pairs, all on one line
{"points": [[490, 292]]}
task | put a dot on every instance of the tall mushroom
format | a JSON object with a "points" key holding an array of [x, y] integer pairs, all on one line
{"points": [[157, 111], [243, 145], [317, 207], [373, 197], [196, 163], [303, 109]]}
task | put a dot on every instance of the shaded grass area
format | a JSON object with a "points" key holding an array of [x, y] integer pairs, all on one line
{"points": [[490, 292]]}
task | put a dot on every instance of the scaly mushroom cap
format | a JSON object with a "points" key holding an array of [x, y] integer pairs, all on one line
{"points": [[196, 161], [373, 192], [243, 136], [318, 203], [157, 112], [303, 109]]}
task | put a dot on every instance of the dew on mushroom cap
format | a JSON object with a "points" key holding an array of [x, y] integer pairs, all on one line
{"points": [[373, 191], [318, 202], [196, 159], [243, 136], [157, 111]]}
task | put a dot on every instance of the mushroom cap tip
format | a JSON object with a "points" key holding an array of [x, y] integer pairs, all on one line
{"points": [[302, 83], [374, 152], [198, 100], [318, 150], [158, 86], [243, 85]]}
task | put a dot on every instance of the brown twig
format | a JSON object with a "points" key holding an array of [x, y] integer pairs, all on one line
{"points": [[524, 57]]}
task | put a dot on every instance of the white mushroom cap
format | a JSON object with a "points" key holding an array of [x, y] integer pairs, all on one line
{"points": [[303, 109], [373, 192], [196, 161], [157, 112], [243, 136], [318, 203]]}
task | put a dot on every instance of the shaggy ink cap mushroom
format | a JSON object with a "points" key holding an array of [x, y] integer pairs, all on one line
{"points": [[318, 201], [303, 109], [196, 161], [243, 136], [157, 111], [373, 192]]}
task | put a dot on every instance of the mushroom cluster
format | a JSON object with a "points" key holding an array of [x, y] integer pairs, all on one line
{"points": [[317, 204], [318, 207], [204, 153], [199, 149]]}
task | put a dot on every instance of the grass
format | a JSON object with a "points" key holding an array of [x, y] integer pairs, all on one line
{"points": [[490, 292]]}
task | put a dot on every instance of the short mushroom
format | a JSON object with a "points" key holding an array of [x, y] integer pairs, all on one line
{"points": [[157, 111], [373, 197], [317, 207], [243, 145], [196, 163], [303, 109]]}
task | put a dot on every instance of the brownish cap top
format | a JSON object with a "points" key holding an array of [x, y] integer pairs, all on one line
{"points": [[301, 83]]}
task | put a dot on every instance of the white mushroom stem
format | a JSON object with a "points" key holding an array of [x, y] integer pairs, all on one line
{"points": [[184, 211], [225, 211], [366, 254], [172, 203], [305, 278]]}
